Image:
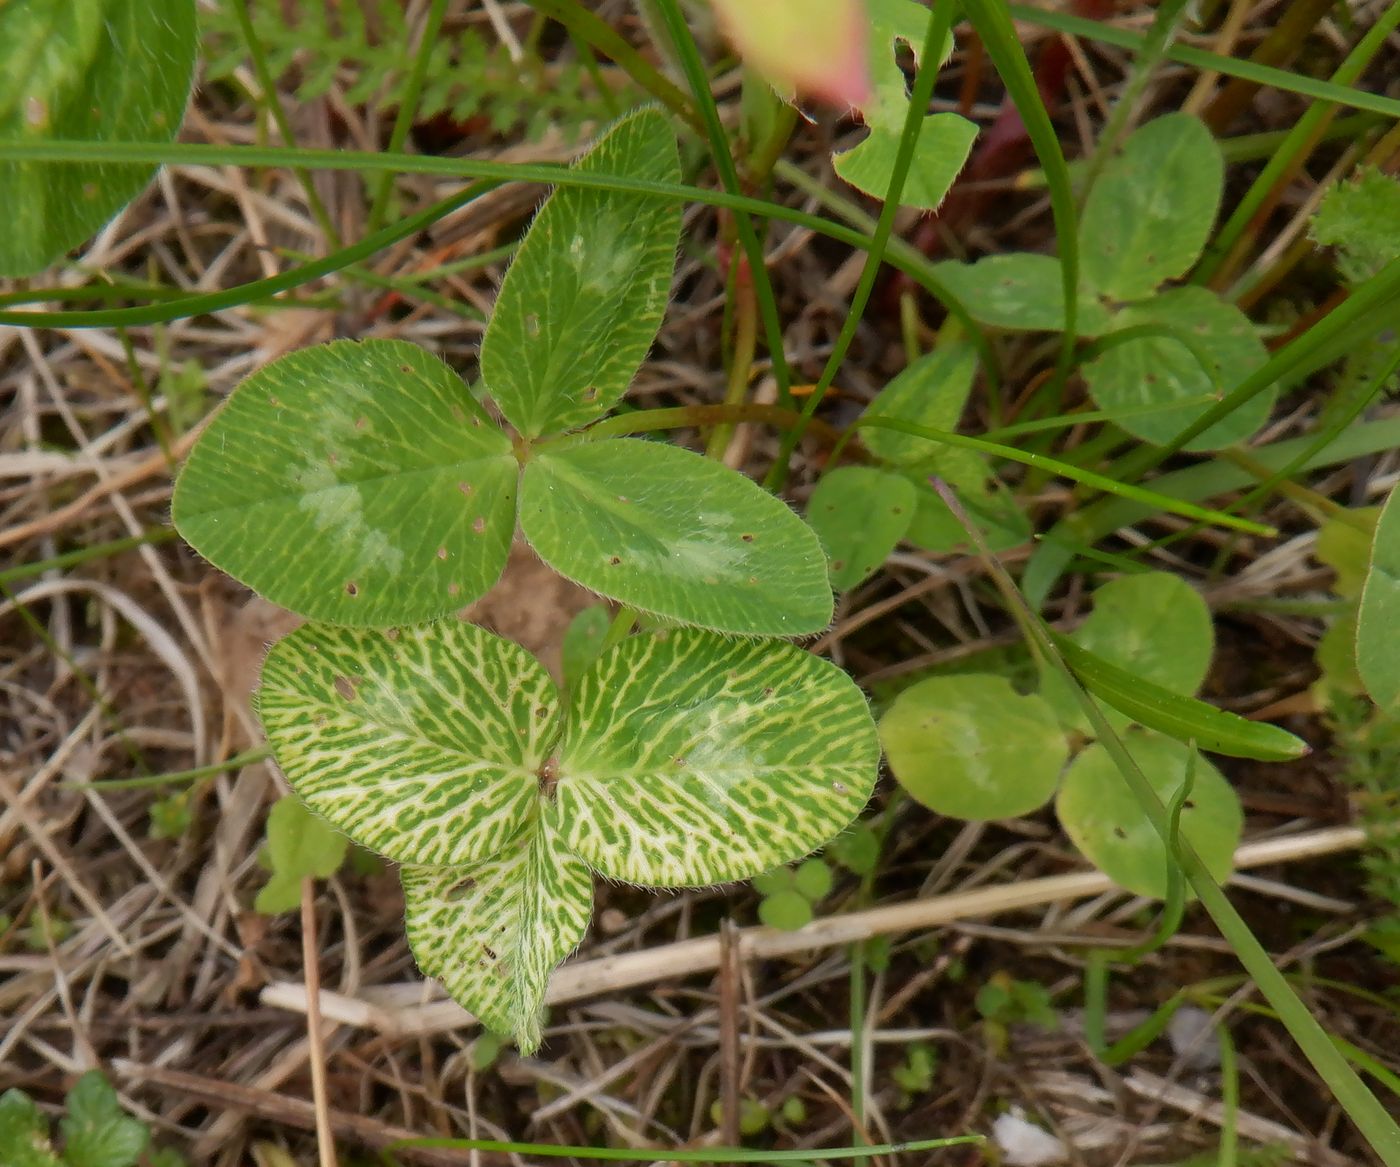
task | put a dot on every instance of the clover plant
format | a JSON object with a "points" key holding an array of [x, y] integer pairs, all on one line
{"points": [[971, 746], [365, 486], [1163, 356]]}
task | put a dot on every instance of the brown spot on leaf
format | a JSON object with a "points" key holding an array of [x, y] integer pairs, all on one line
{"points": [[466, 488], [479, 525], [352, 589], [345, 687], [442, 552]]}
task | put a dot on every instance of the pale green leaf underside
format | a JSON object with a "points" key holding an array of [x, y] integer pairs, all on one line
{"points": [[588, 288], [1152, 209], [84, 70], [1100, 814], [493, 931], [971, 747], [1020, 291], [931, 391], [690, 759], [300, 843], [423, 743], [945, 139], [669, 532], [353, 482], [1378, 623], [1137, 381], [859, 514]]}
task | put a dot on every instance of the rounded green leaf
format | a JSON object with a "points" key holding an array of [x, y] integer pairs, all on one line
{"points": [[859, 513], [492, 932], [1020, 291], [671, 533], [932, 391], [1152, 209], [988, 504], [424, 744], [785, 910], [1139, 381], [84, 70], [585, 295], [353, 482], [1378, 622], [1154, 625], [1101, 816], [971, 747], [691, 759], [944, 140], [813, 879]]}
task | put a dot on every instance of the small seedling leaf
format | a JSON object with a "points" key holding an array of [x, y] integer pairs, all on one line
{"points": [[585, 295], [932, 391], [945, 139], [857, 849], [1378, 624], [493, 931], [1183, 718], [1208, 346], [1021, 292], [1103, 818], [1152, 209], [424, 744], [786, 910], [299, 845], [992, 508], [353, 482], [1361, 218], [690, 759], [24, 1133], [96, 1131], [677, 535], [860, 514], [971, 747], [813, 879], [84, 70], [583, 639]]}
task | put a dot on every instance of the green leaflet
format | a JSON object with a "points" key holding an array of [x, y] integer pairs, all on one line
{"points": [[1154, 626], [84, 70], [585, 295], [683, 758], [1152, 208], [690, 759], [671, 533], [299, 844], [859, 514], [945, 139], [1098, 811], [492, 932], [931, 391], [24, 1133], [1378, 624], [353, 482], [971, 747], [96, 1131], [1361, 218], [1346, 549], [421, 743], [1134, 379], [1020, 291]]}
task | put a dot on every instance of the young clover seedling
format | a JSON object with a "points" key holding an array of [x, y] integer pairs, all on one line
{"points": [[1146, 221], [971, 747], [363, 485]]}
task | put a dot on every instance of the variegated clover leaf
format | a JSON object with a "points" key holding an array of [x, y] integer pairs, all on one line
{"points": [[679, 759], [363, 484]]}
